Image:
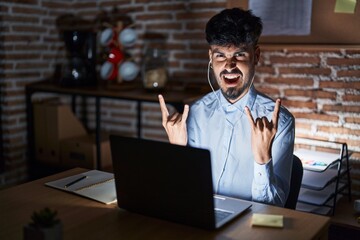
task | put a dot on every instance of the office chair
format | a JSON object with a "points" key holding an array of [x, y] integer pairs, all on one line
{"points": [[295, 183]]}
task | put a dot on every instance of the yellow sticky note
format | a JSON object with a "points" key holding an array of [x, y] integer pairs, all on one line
{"points": [[345, 6], [267, 220]]}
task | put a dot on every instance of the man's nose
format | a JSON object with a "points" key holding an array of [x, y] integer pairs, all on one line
{"points": [[230, 63]]}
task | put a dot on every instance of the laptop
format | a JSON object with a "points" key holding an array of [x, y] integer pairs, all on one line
{"points": [[170, 182]]}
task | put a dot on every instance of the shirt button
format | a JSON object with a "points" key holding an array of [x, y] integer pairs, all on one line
{"points": [[259, 173]]}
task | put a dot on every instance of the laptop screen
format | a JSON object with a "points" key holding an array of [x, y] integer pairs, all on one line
{"points": [[163, 180]]}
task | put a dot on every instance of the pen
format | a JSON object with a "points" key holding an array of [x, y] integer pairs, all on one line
{"points": [[75, 181]]}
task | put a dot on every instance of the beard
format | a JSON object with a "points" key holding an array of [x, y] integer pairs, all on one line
{"points": [[233, 93]]}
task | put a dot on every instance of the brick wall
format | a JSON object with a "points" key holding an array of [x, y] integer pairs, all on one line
{"points": [[319, 84]]}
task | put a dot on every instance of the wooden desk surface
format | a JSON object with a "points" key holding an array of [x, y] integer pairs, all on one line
{"points": [[345, 214], [86, 219], [133, 92]]}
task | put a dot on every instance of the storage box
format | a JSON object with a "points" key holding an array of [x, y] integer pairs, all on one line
{"points": [[81, 152], [53, 122]]}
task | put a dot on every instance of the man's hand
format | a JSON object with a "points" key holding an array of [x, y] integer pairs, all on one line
{"points": [[263, 133], [175, 125]]}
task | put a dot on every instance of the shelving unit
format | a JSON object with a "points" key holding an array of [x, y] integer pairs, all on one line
{"points": [[175, 97], [326, 176]]}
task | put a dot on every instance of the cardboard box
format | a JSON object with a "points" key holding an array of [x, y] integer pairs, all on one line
{"points": [[53, 122], [81, 152]]}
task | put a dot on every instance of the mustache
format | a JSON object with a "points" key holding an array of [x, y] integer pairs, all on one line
{"points": [[234, 71]]}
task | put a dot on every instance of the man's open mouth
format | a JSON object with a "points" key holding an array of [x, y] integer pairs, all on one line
{"points": [[231, 78]]}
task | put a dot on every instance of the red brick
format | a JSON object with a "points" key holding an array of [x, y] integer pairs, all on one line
{"points": [[188, 75], [340, 84], [29, 10], [316, 116], [355, 120], [57, 5], [354, 51], [195, 15], [24, 75], [329, 150], [270, 91], [305, 70], [33, 2], [343, 61], [146, 1], [351, 97], [31, 29], [202, 47], [192, 55], [356, 155], [32, 65], [82, 5], [20, 19], [339, 130], [21, 56], [290, 81], [196, 26], [310, 136], [348, 73], [299, 125], [154, 16], [21, 38], [163, 26], [265, 69], [167, 7], [4, 9], [350, 142], [299, 104], [341, 108], [195, 65], [314, 94], [205, 5], [298, 59], [189, 36], [313, 49]]}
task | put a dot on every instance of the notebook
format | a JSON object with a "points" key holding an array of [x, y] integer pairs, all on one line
{"points": [[170, 182], [94, 184]]}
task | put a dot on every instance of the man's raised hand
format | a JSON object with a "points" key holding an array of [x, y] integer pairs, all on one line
{"points": [[174, 124], [263, 133]]}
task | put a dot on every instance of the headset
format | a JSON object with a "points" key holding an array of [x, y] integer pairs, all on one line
{"points": [[209, 81]]}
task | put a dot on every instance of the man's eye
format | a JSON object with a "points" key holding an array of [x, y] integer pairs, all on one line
{"points": [[220, 57], [240, 55]]}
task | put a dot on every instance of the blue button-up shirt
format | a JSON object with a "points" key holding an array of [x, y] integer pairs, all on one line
{"points": [[224, 129]]}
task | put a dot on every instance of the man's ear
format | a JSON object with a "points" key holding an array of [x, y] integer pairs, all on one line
{"points": [[210, 56]]}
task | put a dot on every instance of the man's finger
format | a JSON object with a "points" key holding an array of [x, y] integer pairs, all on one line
{"points": [[250, 117], [185, 113], [164, 110], [275, 116]]}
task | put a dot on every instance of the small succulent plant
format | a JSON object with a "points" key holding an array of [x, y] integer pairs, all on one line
{"points": [[44, 218]]}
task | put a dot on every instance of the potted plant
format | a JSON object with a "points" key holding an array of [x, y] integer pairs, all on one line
{"points": [[44, 226]]}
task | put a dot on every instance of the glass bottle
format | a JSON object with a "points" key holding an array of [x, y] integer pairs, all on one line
{"points": [[154, 69]]}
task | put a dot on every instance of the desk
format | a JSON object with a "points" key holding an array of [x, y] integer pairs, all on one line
{"points": [[136, 93], [86, 219], [344, 223]]}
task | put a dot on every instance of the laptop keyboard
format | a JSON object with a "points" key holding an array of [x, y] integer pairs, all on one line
{"points": [[220, 215]]}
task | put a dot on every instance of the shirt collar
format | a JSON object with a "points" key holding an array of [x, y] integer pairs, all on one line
{"points": [[247, 100]]}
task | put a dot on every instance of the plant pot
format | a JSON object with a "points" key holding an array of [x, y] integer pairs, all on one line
{"points": [[52, 233]]}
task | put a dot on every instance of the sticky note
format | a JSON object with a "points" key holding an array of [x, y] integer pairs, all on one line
{"points": [[267, 220], [345, 6]]}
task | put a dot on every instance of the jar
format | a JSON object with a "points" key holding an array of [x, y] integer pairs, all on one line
{"points": [[154, 69]]}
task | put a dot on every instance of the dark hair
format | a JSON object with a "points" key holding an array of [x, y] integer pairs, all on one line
{"points": [[233, 27]]}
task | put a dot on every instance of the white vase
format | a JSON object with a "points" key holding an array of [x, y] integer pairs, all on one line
{"points": [[52, 233]]}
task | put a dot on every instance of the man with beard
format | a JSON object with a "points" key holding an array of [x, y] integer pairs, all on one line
{"points": [[250, 136]]}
